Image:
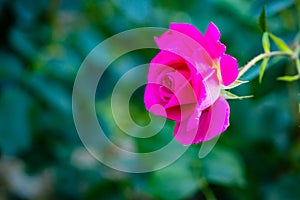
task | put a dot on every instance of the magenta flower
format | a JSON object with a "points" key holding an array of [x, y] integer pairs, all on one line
{"points": [[185, 79]]}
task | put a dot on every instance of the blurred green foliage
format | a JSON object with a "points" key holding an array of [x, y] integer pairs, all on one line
{"points": [[42, 44]]}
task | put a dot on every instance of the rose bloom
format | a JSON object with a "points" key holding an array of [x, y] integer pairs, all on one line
{"points": [[185, 79]]}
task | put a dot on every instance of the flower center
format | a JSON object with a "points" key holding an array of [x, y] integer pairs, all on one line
{"points": [[166, 87], [167, 81]]}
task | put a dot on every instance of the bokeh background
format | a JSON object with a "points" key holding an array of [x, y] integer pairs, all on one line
{"points": [[43, 43]]}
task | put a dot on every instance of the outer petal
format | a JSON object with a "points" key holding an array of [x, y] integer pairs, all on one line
{"points": [[181, 39], [229, 69], [212, 32], [219, 120], [188, 30], [213, 122], [212, 43]]}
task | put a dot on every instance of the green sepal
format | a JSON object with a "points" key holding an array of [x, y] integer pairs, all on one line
{"points": [[235, 84], [229, 95]]}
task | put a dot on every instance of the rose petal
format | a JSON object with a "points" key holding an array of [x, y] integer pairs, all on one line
{"points": [[219, 120], [159, 65], [212, 32], [229, 69], [182, 135], [212, 43], [205, 82], [188, 30], [151, 98], [200, 62], [212, 122], [167, 58], [183, 92], [185, 112], [181, 39], [156, 105], [165, 94]]}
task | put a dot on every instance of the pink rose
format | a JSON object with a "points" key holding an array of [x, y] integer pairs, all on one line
{"points": [[185, 79]]}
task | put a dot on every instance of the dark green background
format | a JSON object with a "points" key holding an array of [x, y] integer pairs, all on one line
{"points": [[42, 44]]}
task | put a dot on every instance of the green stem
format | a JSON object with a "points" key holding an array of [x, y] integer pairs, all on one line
{"points": [[297, 52], [298, 66], [208, 193], [252, 62]]}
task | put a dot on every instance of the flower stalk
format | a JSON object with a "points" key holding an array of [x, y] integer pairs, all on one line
{"points": [[260, 57]]}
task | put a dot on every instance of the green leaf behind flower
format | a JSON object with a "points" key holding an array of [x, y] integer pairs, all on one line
{"points": [[224, 166], [263, 68], [266, 42], [281, 45], [173, 182], [289, 78], [262, 20]]}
